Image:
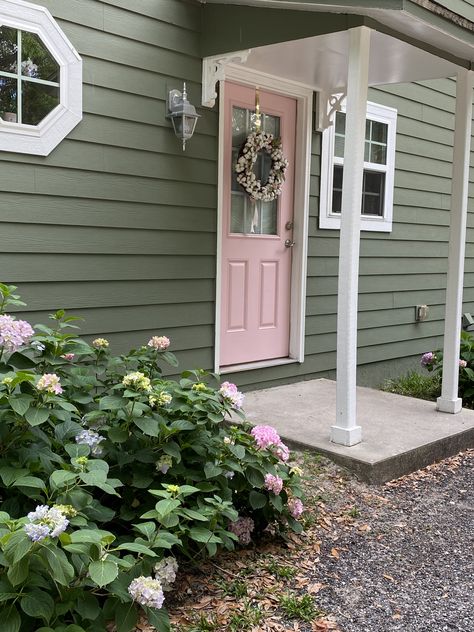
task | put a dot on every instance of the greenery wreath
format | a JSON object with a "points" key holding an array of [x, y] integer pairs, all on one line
{"points": [[257, 190]]}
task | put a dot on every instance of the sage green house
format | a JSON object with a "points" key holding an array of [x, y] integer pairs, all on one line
{"points": [[104, 214]]}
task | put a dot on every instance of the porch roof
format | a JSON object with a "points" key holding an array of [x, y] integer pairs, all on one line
{"points": [[307, 41]]}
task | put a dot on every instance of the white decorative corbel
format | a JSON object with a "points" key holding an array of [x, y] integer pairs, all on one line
{"points": [[213, 70], [326, 107]]}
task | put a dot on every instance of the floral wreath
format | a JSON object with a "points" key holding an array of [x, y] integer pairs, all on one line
{"points": [[257, 190]]}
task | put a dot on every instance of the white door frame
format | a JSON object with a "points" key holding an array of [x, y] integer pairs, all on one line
{"points": [[303, 95]]}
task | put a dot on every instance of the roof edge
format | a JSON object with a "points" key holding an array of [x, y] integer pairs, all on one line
{"points": [[448, 14]]}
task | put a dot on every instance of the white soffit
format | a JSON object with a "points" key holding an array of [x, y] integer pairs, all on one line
{"points": [[321, 62]]}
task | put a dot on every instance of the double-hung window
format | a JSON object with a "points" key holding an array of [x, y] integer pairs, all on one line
{"points": [[40, 80], [379, 168]]}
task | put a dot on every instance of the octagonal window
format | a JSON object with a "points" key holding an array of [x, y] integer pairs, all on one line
{"points": [[40, 80], [29, 78]]}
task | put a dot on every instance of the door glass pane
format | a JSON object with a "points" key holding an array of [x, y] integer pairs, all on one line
{"points": [[337, 189], [248, 216], [8, 49]]}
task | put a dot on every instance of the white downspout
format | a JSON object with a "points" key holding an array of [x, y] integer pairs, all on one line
{"points": [[449, 402], [346, 431]]}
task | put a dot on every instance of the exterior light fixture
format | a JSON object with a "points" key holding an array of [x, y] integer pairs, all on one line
{"points": [[183, 115]]}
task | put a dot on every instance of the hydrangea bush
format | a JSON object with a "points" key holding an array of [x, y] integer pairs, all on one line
{"points": [[109, 473], [432, 361]]}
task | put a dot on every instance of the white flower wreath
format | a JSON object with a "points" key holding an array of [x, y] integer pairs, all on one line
{"points": [[257, 190]]}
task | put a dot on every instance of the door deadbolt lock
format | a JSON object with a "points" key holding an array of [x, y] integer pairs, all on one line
{"points": [[289, 225], [289, 243]]}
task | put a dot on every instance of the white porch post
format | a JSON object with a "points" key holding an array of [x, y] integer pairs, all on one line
{"points": [[449, 401], [346, 431]]}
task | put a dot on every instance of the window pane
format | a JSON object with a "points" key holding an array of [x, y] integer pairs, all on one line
{"points": [[237, 214], [366, 151], [38, 101], [337, 189], [339, 142], [8, 99], [36, 60], [373, 193], [8, 49], [340, 123], [378, 154], [379, 132], [367, 129]]}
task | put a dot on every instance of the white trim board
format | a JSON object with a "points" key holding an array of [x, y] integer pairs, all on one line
{"points": [[303, 95], [43, 138]]}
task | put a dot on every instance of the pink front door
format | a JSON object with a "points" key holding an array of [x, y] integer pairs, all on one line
{"points": [[256, 263]]}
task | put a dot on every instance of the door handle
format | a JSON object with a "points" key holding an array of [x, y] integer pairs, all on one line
{"points": [[289, 243]]}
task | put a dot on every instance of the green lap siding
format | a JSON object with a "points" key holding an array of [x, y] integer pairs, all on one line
{"points": [[118, 225]]}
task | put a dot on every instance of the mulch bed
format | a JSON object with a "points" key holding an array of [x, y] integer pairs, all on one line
{"points": [[393, 557]]}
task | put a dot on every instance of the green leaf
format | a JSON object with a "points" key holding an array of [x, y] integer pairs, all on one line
{"points": [[38, 604], [60, 568], [88, 606], [103, 572], [17, 546], [173, 450], [112, 402], [20, 404], [88, 536], [159, 619], [30, 481], [167, 505], [118, 435], [126, 617], [211, 470], [148, 426], [238, 451], [11, 474], [170, 358], [36, 416], [255, 477], [137, 548], [96, 477], [193, 515], [257, 500], [182, 424], [200, 534], [277, 502], [21, 361], [17, 573], [10, 619], [60, 478]]}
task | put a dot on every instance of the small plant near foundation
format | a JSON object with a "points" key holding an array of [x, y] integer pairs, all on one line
{"points": [[299, 607], [432, 361], [415, 384], [205, 624], [236, 588], [354, 512], [246, 619], [281, 571]]}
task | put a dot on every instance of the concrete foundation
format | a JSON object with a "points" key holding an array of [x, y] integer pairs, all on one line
{"points": [[399, 434]]}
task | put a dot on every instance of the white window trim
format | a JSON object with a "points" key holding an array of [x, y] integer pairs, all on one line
{"points": [[43, 138], [328, 219]]}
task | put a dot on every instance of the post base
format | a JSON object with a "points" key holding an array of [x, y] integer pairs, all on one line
{"points": [[452, 406], [346, 436]]}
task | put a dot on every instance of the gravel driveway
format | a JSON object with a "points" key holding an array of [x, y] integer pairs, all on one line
{"points": [[410, 564]]}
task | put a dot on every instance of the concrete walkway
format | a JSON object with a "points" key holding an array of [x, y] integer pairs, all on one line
{"points": [[399, 434]]}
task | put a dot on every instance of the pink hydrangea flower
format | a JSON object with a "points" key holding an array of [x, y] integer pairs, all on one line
{"points": [[160, 343], [295, 507], [14, 333], [427, 358], [462, 364], [268, 437], [68, 356], [50, 383], [265, 436], [243, 528], [230, 393], [273, 483]]}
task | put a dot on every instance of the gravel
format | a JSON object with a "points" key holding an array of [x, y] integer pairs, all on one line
{"points": [[410, 563]]}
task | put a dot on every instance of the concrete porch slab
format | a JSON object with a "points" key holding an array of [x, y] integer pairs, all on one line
{"points": [[399, 434]]}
